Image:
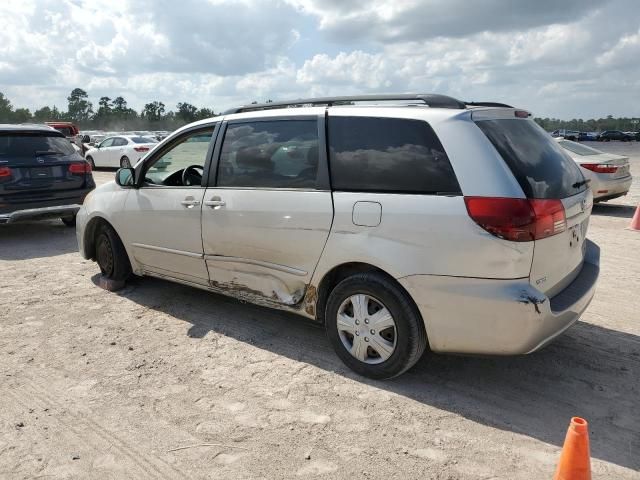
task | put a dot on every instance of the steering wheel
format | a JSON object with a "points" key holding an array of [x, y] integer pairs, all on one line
{"points": [[191, 176]]}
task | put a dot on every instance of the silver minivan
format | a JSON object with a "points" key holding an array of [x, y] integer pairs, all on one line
{"points": [[399, 222]]}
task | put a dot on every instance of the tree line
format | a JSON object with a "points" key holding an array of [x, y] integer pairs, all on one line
{"points": [[115, 114], [111, 114], [624, 124]]}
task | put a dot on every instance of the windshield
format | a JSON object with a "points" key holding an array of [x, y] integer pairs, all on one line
{"points": [[578, 149], [30, 145], [540, 165]]}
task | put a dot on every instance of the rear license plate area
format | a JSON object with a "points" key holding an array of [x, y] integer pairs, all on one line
{"points": [[40, 173]]}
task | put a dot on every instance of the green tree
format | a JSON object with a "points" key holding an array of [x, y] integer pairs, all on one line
{"points": [[205, 113], [153, 111], [80, 108], [21, 115], [6, 109], [186, 112]]}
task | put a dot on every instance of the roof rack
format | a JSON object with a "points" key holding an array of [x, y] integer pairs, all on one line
{"points": [[487, 104], [430, 99]]}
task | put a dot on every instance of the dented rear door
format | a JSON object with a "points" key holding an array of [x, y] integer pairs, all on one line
{"points": [[266, 218]]}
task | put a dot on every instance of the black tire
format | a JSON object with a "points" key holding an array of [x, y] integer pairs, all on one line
{"points": [[410, 335], [111, 255], [125, 162], [91, 162], [69, 221]]}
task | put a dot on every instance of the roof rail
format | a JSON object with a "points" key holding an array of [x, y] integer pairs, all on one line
{"points": [[487, 104], [430, 99]]}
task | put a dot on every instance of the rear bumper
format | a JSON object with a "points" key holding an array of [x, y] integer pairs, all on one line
{"points": [[610, 189], [499, 317], [39, 213]]}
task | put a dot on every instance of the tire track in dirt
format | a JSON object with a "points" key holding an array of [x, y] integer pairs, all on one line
{"points": [[151, 467]]}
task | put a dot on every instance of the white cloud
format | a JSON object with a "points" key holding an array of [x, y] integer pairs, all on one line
{"points": [[573, 58]]}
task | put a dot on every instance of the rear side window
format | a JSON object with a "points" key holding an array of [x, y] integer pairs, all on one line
{"points": [[27, 146], [388, 155], [539, 164], [270, 154]]}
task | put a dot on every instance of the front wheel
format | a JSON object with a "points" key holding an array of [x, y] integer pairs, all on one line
{"points": [[111, 255], [374, 326], [91, 162], [125, 162]]}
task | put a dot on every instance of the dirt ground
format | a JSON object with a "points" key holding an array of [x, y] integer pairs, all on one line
{"points": [[165, 381]]}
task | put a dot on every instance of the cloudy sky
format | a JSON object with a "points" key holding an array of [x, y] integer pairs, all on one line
{"points": [[566, 59]]}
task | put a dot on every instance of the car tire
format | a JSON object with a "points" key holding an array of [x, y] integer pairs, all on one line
{"points": [[69, 221], [125, 162], [407, 336], [91, 162], [111, 255]]}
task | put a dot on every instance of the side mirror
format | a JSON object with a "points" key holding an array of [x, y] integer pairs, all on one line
{"points": [[125, 177]]}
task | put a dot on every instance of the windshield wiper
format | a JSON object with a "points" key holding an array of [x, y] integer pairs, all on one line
{"points": [[40, 153], [579, 184]]}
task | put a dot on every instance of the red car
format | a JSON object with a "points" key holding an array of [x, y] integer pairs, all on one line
{"points": [[67, 128]]}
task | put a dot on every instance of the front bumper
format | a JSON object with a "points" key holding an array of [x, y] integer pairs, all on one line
{"points": [[499, 317], [40, 213]]}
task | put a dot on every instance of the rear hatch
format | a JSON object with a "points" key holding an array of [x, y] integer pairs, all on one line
{"points": [[39, 168], [556, 191]]}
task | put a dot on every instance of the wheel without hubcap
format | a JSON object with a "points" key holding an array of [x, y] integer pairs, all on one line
{"points": [[125, 163], [366, 328]]}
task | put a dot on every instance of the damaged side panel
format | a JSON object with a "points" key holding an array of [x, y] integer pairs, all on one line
{"points": [[257, 283]]}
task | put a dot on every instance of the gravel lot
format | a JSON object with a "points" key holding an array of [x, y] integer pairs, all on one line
{"points": [[110, 385]]}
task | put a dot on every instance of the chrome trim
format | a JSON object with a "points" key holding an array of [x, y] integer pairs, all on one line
{"points": [[273, 266], [168, 250]]}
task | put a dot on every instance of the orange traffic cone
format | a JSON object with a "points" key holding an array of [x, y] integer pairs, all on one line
{"points": [[575, 460], [635, 221]]}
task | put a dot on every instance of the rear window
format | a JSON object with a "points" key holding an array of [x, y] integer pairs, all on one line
{"points": [[30, 145], [388, 155], [143, 140], [67, 131], [577, 148], [539, 164]]}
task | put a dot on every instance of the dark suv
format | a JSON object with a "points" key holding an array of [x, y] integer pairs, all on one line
{"points": [[614, 135], [41, 175]]}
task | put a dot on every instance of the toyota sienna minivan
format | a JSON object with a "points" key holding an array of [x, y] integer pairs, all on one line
{"points": [[398, 222]]}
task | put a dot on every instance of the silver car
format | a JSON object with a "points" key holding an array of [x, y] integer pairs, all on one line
{"points": [[609, 175], [425, 222]]}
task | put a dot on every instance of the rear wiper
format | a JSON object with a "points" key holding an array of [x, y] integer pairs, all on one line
{"points": [[579, 184], [40, 153]]}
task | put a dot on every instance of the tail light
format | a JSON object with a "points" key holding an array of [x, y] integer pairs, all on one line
{"points": [[600, 167], [5, 172], [79, 168], [517, 219], [141, 149]]}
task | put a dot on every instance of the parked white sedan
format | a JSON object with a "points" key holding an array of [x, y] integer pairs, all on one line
{"points": [[609, 174], [121, 151]]}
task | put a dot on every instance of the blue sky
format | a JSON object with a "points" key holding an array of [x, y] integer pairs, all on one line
{"points": [[575, 58]]}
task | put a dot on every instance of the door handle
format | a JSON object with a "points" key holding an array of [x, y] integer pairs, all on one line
{"points": [[189, 202], [215, 202]]}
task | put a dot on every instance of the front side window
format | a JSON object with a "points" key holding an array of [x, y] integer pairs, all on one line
{"points": [[120, 142], [189, 153], [388, 155], [270, 154], [107, 143]]}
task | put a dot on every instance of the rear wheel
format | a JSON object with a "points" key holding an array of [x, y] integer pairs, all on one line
{"points": [[124, 162], [69, 221], [111, 255], [374, 326]]}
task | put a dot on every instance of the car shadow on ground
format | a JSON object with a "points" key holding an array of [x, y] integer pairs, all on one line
{"points": [[36, 239], [612, 210], [590, 371]]}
